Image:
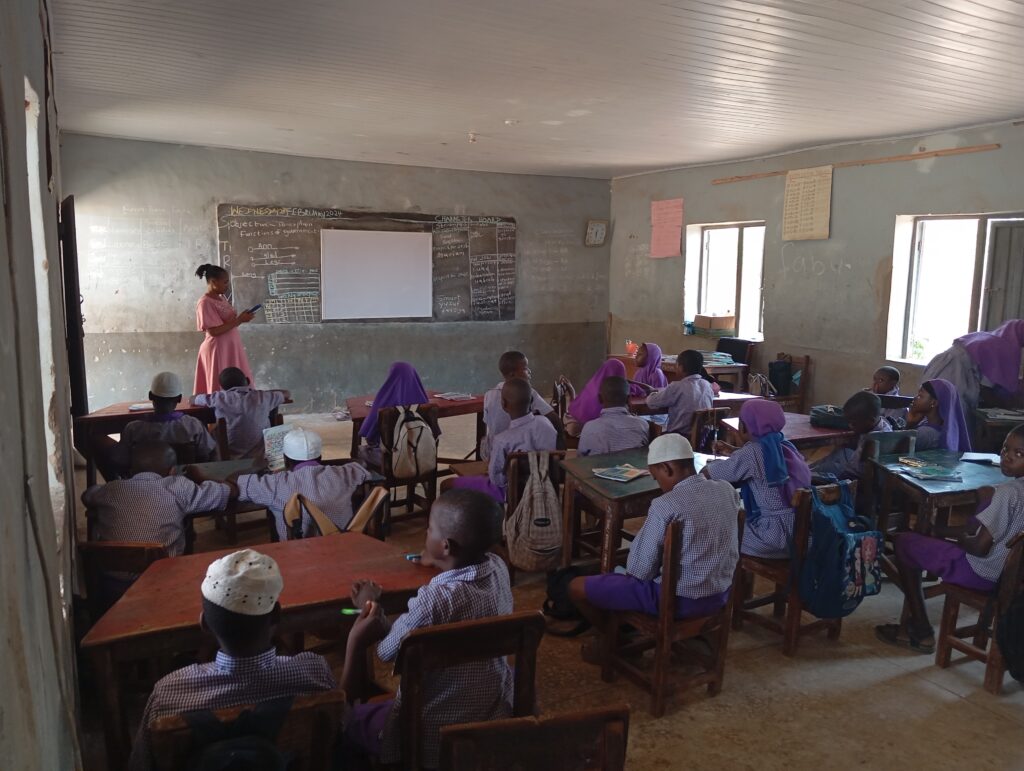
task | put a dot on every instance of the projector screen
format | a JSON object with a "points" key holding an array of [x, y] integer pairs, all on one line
{"points": [[375, 274]]}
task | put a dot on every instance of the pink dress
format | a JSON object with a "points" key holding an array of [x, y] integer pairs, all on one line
{"points": [[219, 352]]}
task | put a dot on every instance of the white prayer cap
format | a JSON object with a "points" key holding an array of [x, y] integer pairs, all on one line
{"points": [[245, 582], [166, 384], [668, 447], [300, 444]]}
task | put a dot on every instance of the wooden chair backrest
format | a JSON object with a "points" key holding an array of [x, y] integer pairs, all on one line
{"points": [[185, 453], [434, 648], [588, 740], [388, 421], [99, 557], [741, 350], [369, 519], [895, 402], [888, 443], [293, 513], [308, 733], [517, 471], [220, 434], [803, 505], [703, 420]]}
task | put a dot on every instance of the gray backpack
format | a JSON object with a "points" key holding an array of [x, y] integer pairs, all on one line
{"points": [[533, 534]]}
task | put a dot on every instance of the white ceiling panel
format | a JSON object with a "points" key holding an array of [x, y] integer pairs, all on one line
{"points": [[590, 88]]}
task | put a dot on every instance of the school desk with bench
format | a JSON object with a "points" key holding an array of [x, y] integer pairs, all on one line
{"points": [[799, 431]]}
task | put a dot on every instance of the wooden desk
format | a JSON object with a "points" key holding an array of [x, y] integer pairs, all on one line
{"points": [[733, 400], [990, 430], [159, 614], [446, 408], [737, 373], [802, 434], [617, 501]]}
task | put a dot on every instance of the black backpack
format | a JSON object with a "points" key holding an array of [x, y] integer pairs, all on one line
{"points": [[247, 744], [558, 606]]}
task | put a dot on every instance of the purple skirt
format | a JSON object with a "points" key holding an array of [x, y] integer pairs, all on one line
{"points": [[944, 559], [614, 591]]}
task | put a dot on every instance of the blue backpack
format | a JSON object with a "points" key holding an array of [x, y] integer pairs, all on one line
{"points": [[841, 567]]}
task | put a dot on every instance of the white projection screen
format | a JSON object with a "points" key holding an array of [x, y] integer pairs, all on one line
{"points": [[375, 274]]}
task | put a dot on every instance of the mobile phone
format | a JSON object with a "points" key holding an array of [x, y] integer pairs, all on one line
{"points": [[255, 308]]}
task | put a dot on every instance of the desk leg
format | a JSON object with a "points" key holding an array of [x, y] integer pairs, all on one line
{"points": [[481, 431], [356, 425], [611, 537], [568, 519], [115, 727]]}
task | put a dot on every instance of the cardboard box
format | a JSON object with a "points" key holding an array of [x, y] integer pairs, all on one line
{"points": [[701, 321]]}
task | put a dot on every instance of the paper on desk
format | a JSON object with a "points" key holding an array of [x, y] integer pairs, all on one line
{"points": [[981, 457], [140, 407], [455, 396], [273, 444]]}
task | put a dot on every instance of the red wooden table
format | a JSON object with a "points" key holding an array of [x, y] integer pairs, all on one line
{"points": [[446, 408], [802, 434], [159, 614]]}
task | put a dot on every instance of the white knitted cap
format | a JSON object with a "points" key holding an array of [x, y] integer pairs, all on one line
{"points": [[669, 447], [245, 582], [300, 444], [166, 384]]}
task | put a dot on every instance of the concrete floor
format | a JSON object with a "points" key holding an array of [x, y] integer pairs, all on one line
{"points": [[845, 704]]}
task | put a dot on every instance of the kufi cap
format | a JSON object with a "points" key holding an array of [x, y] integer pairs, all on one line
{"points": [[668, 447], [245, 582], [166, 384], [300, 444]]}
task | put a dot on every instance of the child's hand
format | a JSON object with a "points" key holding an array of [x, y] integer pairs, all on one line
{"points": [[364, 590], [195, 474], [722, 448], [369, 626]]}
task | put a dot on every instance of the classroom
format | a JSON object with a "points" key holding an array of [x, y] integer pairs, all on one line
{"points": [[369, 369]]}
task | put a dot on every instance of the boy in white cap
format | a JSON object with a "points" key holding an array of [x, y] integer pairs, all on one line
{"points": [[473, 583], [165, 424], [245, 410], [240, 609], [329, 487], [710, 543]]}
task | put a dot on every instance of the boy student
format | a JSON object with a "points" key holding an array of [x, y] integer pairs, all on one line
{"points": [[975, 559], [245, 410], [240, 609], [153, 504], [526, 432], [472, 584], [512, 364], [614, 429], [886, 382], [328, 487], [710, 545], [685, 396], [863, 413]]}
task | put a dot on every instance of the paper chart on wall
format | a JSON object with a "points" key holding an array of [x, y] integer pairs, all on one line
{"points": [[666, 227], [808, 204]]}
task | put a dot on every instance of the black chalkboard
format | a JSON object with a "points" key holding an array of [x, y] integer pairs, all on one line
{"points": [[273, 253]]}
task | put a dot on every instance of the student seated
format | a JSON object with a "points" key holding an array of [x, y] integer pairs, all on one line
{"points": [[587, 406], [708, 554], [685, 396], [716, 387], [886, 382], [245, 410], [240, 609], [165, 424], [863, 413], [401, 388], [974, 559], [614, 429], [328, 487], [472, 584], [512, 364], [526, 432], [648, 363], [938, 416], [770, 470]]}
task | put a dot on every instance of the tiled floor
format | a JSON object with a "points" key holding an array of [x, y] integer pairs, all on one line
{"points": [[851, 703]]}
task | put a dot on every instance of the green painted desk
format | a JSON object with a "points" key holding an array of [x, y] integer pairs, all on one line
{"points": [[614, 501]]}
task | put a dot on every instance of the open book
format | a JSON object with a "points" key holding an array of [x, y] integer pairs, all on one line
{"points": [[623, 473]]}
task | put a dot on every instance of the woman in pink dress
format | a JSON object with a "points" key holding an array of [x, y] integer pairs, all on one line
{"points": [[223, 345]]}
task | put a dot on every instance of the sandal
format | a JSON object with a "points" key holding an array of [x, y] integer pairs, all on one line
{"points": [[893, 635]]}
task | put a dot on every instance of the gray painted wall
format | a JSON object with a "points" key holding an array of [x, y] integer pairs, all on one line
{"points": [[146, 218], [828, 299]]}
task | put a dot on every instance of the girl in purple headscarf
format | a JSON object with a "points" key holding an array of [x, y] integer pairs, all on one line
{"points": [[586, 406], [938, 417], [648, 362], [770, 470], [402, 387]]}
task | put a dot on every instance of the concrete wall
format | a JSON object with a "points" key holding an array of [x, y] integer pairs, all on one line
{"points": [[140, 291], [37, 728], [828, 299]]}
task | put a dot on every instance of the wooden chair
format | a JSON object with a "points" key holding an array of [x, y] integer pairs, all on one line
{"points": [[784, 573], [704, 428], [796, 399], [870, 500], [742, 351], [517, 471], [447, 645], [666, 634], [388, 420], [101, 557], [220, 434], [369, 519], [588, 740], [308, 734]]}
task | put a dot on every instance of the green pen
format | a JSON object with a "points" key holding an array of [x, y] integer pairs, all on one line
{"points": [[350, 611]]}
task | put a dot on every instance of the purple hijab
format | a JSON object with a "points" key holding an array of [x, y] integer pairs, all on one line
{"points": [[401, 387], [954, 428], [586, 406], [997, 353], [651, 373], [784, 465]]}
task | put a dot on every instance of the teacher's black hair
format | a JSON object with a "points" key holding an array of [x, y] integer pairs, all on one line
{"points": [[207, 271]]}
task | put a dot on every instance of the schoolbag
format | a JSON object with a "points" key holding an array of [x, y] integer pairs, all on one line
{"points": [[247, 744], [841, 567], [413, 446], [558, 607], [304, 519], [533, 533], [780, 375], [828, 416]]}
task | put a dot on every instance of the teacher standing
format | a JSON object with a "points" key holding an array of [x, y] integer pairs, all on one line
{"points": [[222, 346]]}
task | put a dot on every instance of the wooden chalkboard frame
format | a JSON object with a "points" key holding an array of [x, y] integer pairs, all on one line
{"points": [[504, 268]]}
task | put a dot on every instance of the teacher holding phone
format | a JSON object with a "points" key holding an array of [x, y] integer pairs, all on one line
{"points": [[223, 344]]}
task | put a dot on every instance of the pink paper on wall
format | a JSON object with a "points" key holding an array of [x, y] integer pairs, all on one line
{"points": [[666, 227]]}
